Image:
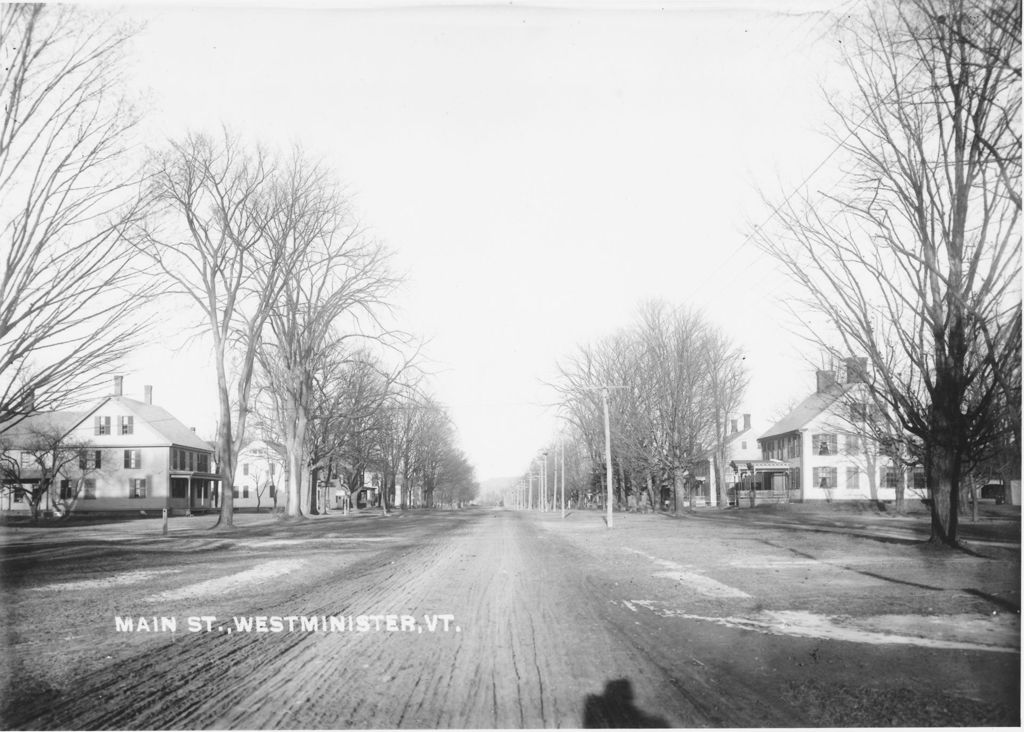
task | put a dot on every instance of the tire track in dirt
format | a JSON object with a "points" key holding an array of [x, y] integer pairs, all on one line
{"points": [[538, 637], [185, 681]]}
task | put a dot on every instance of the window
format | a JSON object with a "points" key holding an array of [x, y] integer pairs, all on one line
{"points": [[852, 445], [245, 468], [888, 477], [825, 478], [133, 458], [191, 461], [125, 425], [743, 445], [273, 491], [27, 460], [245, 491], [66, 491], [203, 462], [794, 479], [102, 425], [19, 497], [137, 488], [852, 479], [89, 460], [825, 444], [89, 489], [234, 491]]}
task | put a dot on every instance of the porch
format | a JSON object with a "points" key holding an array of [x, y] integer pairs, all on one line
{"points": [[193, 491]]}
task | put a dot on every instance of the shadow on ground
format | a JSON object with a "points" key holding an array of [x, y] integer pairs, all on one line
{"points": [[615, 709]]}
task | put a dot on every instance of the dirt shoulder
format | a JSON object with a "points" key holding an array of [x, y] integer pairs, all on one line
{"points": [[839, 623]]}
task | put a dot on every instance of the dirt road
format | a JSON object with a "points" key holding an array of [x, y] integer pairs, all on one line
{"points": [[484, 619]]}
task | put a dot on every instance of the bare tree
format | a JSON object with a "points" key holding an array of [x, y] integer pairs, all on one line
{"points": [[214, 249], [915, 261], [727, 381], [69, 287], [332, 297], [434, 444], [677, 379], [35, 465]]}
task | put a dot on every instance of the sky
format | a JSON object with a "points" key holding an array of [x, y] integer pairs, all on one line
{"points": [[537, 171]]}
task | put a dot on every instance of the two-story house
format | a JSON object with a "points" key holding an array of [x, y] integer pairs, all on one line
{"points": [[827, 452], [259, 471], [132, 455]]}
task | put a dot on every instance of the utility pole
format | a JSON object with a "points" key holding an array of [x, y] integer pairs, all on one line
{"points": [[561, 445], [607, 450], [607, 444], [544, 481]]}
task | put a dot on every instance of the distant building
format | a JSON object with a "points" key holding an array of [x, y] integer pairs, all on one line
{"points": [[259, 472], [740, 447], [134, 456], [823, 454]]}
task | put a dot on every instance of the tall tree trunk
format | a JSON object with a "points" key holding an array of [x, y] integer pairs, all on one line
{"points": [[650, 491], [225, 441], [314, 490], [385, 488], [943, 485], [943, 463]]}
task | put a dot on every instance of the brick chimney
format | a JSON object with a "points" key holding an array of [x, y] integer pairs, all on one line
{"points": [[746, 422], [826, 380], [118, 386], [149, 393], [856, 370]]}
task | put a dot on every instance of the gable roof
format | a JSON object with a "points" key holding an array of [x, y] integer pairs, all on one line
{"points": [[166, 424], [159, 419], [741, 434], [806, 410]]}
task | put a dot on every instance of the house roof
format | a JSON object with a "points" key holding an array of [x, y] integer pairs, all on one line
{"points": [[165, 423], [24, 428], [806, 410], [765, 465], [742, 434]]}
